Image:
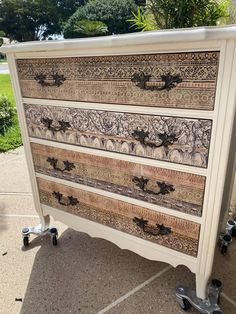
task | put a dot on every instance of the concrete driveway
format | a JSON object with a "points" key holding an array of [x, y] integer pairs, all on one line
{"points": [[4, 68], [82, 274]]}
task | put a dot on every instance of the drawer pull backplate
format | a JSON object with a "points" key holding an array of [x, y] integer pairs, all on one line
{"points": [[63, 125], [155, 231], [170, 81], [166, 139], [142, 182], [57, 79], [70, 199], [68, 166]]}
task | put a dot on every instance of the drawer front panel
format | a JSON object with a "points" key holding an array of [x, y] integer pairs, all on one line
{"points": [[177, 80], [173, 189], [179, 140], [178, 234]]}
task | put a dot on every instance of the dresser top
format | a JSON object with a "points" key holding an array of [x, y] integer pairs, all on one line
{"points": [[134, 39]]}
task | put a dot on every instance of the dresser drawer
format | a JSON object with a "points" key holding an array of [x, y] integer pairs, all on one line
{"points": [[175, 80], [178, 234], [172, 189], [179, 140]]}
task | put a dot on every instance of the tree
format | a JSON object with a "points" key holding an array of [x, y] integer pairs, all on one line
{"points": [[114, 13], [24, 20], [183, 13]]}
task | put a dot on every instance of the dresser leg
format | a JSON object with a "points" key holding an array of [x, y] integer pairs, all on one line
{"points": [[45, 222], [201, 286], [42, 229]]}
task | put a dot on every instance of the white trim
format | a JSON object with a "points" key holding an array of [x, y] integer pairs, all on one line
{"points": [[24, 133], [135, 39], [123, 240], [160, 209], [219, 158], [172, 112]]}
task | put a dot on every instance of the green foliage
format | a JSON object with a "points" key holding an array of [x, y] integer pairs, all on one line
{"points": [[6, 88], [2, 34], [24, 20], [6, 114], [164, 14], [142, 21], [114, 13], [85, 28], [12, 137]]}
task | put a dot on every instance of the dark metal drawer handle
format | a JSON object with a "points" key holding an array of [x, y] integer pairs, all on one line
{"points": [[68, 166], [142, 182], [57, 79], [155, 231], [170, 81], [63, 125], [166, 139], [70, 199]]}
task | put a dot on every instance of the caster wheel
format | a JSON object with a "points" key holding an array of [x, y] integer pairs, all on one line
{"points": [[185, 305], [26, 241], [54, 240]]}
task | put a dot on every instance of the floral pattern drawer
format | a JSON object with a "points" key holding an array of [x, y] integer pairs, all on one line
{"points": [[173, 139], [175, 80], [172, 232], [176, 190]]}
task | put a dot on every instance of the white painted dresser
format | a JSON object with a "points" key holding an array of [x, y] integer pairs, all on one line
{"points": [[128, 138]]}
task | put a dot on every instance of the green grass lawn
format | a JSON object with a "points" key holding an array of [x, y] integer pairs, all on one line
{"points": [[12, 138]]}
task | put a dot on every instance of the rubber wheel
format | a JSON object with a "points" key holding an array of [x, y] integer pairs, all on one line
{"points": [[25, 241], [186, 305], [54, 240]]}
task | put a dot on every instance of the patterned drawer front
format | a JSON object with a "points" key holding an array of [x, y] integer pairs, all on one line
{"points": [[180, 140], [178, 234], [173, 189], [177, 80]]}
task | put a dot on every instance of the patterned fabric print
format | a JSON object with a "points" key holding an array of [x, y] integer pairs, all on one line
{"points": [[120, 217], [118, 176], [114, 131], [108, 79]]}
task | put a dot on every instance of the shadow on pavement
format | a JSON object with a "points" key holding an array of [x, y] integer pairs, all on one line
{"points": [[81, 274], [3, 218]]}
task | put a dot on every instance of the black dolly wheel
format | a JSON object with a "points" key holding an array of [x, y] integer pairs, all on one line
{"points": [[54, 240], [185, 305], [25, 241]]}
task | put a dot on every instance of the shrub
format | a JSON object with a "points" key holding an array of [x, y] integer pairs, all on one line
{"points": [[180, 14], [7, 113], [85, 28], [114, 13]]}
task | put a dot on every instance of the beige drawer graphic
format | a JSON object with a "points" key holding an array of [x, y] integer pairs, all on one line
{"points": [[174, 80], [173, 139], [175, 233], [172, 189]]}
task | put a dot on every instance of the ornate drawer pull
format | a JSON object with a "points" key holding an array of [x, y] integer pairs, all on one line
{"points": [[68, 166], [166, 139], [63, 125], [57, 79], [142, 182], [155, 231], [170, 81], [70, 199]]}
